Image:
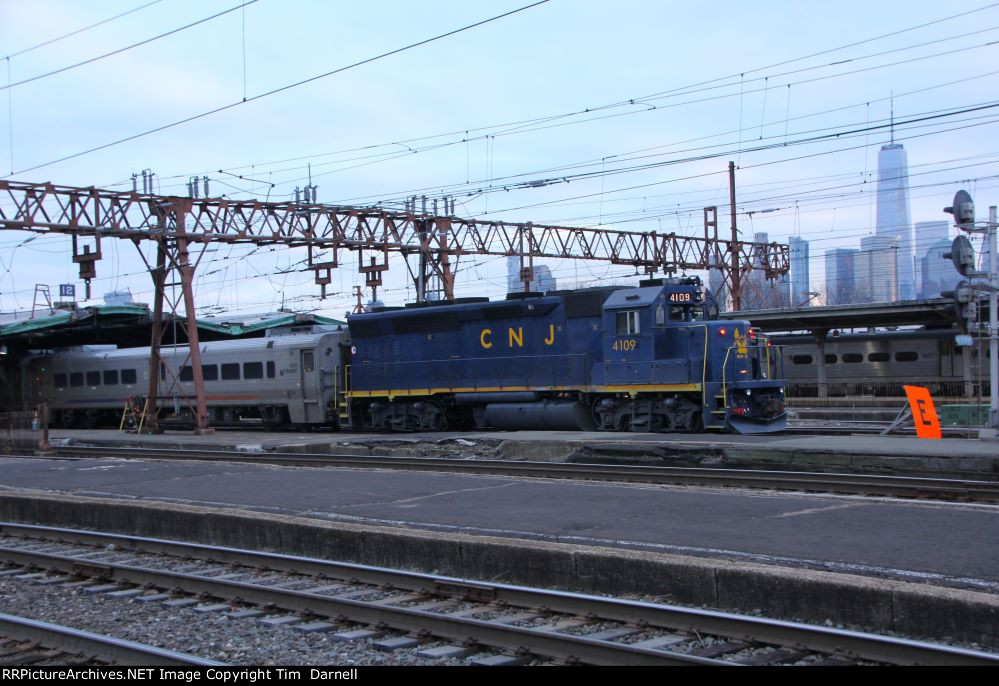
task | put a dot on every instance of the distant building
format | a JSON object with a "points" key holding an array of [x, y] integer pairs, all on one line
{"points": [[840, 268], [118, 298], [937, 272], [925, 236], [876, 270], [799, 272], [542, 281], [893, 220]]}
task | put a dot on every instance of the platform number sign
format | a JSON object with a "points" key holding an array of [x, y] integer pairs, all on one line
{"points": [[67, 290], [924, 414]]}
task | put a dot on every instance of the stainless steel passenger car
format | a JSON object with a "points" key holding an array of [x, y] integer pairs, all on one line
{"points": [[878, 363], [288, 379]]}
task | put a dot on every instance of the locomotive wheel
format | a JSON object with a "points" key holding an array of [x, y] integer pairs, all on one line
{"points": [[439, 422], [696, 422]]}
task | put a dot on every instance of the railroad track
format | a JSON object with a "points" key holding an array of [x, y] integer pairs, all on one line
{"points": [[851, 484], [446, 616], [28, 642]]}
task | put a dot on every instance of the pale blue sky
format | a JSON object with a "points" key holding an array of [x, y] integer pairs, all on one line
{"points": [[555, 59]]}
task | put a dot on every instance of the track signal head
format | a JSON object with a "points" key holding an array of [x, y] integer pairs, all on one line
{"points": [[962, 254], [963, 210]]}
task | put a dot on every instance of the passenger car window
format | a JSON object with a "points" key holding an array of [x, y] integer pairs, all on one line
{"points": [[128, 376], [60, 380], [93, 378], [76, 378], [253, 370], [210, 372], [110, 377], [308, 361], [230, 372]]}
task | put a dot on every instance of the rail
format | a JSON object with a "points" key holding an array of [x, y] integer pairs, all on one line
{"points": [[541, 623], [103, 648]]}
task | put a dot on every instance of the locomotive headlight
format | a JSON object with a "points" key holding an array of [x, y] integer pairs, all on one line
{"points": [[722, 332]]}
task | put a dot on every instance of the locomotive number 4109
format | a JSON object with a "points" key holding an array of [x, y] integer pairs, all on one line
{"points": [[680, 297], [625, 344]]}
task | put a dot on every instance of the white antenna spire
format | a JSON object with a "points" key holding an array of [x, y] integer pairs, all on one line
{"points": [[893, 117]]}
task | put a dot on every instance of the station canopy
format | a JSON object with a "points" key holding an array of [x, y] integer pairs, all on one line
{"points": [[130, 326]]}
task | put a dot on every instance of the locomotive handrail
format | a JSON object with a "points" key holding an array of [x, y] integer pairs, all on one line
{"points": [[728, 352]]}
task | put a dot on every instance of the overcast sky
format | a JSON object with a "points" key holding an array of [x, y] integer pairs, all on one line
{"points": [[500, 104]]}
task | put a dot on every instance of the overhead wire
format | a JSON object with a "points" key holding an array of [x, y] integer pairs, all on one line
{"points": [[283, 88], [679, 90], [126, 48], [78, 31], [519, 127]]}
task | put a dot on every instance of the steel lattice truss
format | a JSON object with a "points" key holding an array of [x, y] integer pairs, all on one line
{"points": [[100, 213]]}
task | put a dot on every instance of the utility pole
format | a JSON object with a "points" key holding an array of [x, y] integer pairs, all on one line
{"points": [[990, 236], [736, 275]]}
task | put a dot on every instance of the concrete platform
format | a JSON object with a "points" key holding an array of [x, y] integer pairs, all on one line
{"points": [[921, 568]]}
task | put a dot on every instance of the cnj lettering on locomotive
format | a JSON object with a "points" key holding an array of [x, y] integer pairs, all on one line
{"points": [[515, 337]]}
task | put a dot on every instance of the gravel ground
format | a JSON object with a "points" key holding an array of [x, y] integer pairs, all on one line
{"points": [[213, 636]]}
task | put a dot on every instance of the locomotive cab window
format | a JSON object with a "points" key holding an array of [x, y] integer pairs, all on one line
{"points": [[679, 313], [627, 323]]}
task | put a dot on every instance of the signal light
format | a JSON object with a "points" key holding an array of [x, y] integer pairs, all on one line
{"points": [[722, 331]]}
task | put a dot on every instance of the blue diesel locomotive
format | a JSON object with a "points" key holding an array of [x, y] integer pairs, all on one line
{"points": [[607, 358]]}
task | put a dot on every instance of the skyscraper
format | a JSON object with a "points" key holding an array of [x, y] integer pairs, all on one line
{"points": [[876, 270], [932, 239], [938, 273], [758, 292], [799, 271], [542, 282], [893, 217], [840, 264]]}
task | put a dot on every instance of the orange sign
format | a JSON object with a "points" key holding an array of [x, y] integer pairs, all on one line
{"points": [[923, 412]]}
